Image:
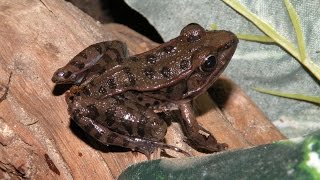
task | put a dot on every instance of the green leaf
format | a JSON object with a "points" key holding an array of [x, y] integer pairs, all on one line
{"points": [[296, 24], [256, 38], [300, 54], [302, 97], [291, 159]]}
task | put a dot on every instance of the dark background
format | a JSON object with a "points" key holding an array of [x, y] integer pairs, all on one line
{"points": [[107, 11]]}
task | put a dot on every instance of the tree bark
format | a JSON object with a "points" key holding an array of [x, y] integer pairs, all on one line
{"points": [[37, 139]]}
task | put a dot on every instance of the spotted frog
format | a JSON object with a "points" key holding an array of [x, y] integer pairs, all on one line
{"points": [[117, 99]]}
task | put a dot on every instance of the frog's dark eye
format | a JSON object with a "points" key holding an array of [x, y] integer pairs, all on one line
{"points": [[209, 64]]}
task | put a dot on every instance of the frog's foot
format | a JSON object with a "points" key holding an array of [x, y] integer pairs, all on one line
{"points": [[204, 140]]}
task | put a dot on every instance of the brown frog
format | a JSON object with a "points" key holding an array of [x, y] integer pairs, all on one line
{"points": [[116, 99]]}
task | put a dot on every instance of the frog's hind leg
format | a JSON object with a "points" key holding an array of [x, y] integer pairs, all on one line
{"points": [[108, 137], [121, 122]]}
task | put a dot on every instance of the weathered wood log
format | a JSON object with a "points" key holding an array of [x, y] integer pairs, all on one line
{"points": [[37, 139]]}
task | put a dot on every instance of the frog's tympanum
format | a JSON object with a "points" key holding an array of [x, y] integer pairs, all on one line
{"points": [[116, 98]]}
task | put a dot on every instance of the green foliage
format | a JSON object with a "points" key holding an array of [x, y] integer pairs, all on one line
{"points": [[299, 53]]}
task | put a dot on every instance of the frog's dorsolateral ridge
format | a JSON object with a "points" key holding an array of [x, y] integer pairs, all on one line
{"points": [[116, 98]]}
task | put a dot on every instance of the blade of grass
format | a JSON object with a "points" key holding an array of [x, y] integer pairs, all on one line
{"points": [[313, 99], [271, 32], [256, 38], [297, 27], [264, 27]]}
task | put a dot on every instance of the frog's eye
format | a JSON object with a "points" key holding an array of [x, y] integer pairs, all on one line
{"points": [[209, 64]]}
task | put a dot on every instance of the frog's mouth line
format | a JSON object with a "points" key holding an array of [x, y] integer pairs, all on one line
{"points": [[228, 51]]}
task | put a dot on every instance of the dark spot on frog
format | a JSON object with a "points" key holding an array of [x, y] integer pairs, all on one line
{"points": [[51, 164], [134, 59], [156, 92], [135, 92], [169, 89], [78, 64], [77, 94], [141, 130], [71, 98], [118, 55], [151, 59], [99, 49], [86, 91], [84, 55], [131, 78], [125, 143], [185, 88], [184, 64], [97, 135], [149, 72], [228, 45], [102, 90], [111, 137], [140, 98], [110, 118], [166, 72], [147, 105], [168, 49], [106, 58], [156, 103], [127, 126], [111, 83], [76, 112], [93, 112], [119, 99]]}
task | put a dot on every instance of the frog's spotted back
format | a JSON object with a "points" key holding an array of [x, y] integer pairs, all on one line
{"points": [[167, 64]]}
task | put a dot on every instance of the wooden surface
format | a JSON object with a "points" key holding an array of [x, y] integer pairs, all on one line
{"points": [[37, 139]]}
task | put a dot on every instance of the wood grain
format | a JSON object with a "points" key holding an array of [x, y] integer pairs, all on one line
{"points": [[37, 139]]}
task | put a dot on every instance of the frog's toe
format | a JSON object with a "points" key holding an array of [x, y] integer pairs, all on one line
{"points": [[145, 147], [205, 143]]}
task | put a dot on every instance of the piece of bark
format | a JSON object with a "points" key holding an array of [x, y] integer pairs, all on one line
{"points": [[37, 139]]}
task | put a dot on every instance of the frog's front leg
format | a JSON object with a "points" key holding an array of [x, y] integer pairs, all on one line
{"points": [[113, 122], [197, 136]]}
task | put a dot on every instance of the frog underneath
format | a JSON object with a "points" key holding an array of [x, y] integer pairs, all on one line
{"points": [[116, 99]]}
